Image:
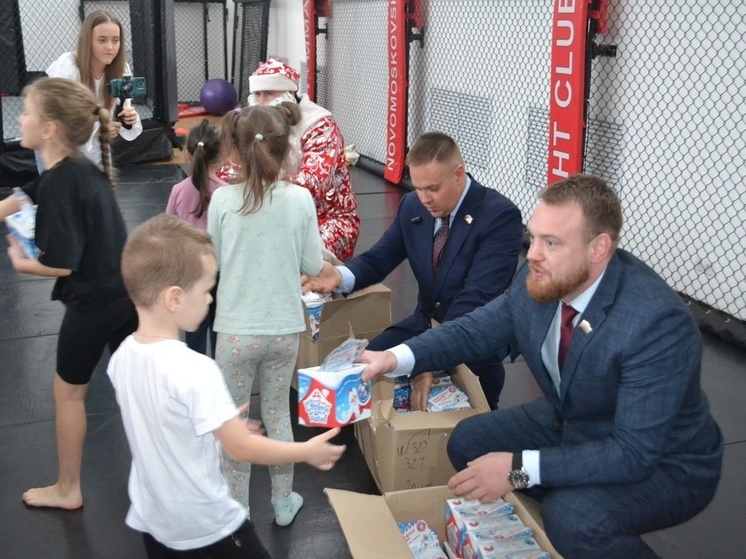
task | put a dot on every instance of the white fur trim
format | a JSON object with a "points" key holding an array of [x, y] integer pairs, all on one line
{"points": [[271, 82]]}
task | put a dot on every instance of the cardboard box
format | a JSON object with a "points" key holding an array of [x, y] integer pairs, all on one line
{"points": [[369, 522], [366, 312], [332, 399], [459, 511], [408, 450]]}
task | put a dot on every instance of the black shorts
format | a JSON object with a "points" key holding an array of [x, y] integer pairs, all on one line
{"points": [[86, 332]]}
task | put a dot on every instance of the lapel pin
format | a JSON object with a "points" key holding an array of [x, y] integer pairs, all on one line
{"points": [[468, 219], [585, 327]]}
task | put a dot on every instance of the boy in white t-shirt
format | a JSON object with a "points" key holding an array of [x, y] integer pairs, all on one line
{"points": [[176, 409]]}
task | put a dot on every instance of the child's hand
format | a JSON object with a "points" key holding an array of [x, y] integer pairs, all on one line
{"points": [[321, 453], [114, 127], [15, 250], [254, 426]]}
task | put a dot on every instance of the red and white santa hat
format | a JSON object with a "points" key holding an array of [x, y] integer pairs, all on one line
{"points": [[274, 75]]}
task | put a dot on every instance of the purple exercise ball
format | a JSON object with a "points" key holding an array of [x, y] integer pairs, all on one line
{"points": [[218, 97]]}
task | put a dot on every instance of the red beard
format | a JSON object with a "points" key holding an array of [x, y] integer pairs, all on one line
{"points": [[552, 290]]}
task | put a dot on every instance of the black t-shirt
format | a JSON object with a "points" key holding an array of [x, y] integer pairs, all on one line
{"points": [[79, 227], [32, 187]]}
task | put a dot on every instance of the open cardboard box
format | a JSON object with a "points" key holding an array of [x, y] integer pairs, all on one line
{"points": [[369, 522], [367, 312], [408, 450]]}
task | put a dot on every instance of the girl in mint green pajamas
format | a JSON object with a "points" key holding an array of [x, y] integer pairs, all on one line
{"points": [[266, 235]]}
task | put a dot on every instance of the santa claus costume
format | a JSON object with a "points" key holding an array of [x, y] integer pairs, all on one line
{"points": [[322, 167]]}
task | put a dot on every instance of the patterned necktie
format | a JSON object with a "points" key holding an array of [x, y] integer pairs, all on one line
{"points": [[566, 329], [440, 241]]}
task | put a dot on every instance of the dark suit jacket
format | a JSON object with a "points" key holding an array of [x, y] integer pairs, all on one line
{"points": [[630, 396], [477, 264]]}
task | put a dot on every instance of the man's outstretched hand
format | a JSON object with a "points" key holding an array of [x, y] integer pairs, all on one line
{"points": [[327, 281], [484, 479], [378, 362]]}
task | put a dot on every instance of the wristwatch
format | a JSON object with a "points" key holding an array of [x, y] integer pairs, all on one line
{"points": [[518, 476]]}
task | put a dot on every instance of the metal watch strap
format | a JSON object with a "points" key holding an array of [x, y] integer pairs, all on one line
{"points": [[518, 476]]}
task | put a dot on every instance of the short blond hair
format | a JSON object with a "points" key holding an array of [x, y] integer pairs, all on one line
{"points": [[162, 252]]}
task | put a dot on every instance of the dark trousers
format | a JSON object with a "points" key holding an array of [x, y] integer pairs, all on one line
{"points": [[491, 372], [584, 521], [241, 544]]}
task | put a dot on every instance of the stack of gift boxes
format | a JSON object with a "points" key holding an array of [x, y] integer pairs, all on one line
{"points": [[475, 531], [444, 394]]}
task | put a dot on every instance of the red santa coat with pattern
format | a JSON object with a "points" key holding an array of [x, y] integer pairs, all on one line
{"points": [[324, 172]]}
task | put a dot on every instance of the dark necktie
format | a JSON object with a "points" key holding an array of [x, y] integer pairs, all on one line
{"points": [[566, 329], [440, 241]]}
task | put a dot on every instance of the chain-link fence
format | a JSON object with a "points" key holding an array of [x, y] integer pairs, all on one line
{"points": [[38, 33], [671, 105], [481, 75], [665, 125], [34, 35], [201, 36], [321, 61], [250, 28], [355, 80]]}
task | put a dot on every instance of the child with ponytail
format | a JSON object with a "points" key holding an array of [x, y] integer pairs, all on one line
{"points": [[189, 200], [81, 233], [266, 235]]}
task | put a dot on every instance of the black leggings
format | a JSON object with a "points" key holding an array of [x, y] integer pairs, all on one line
{"points": [[241, 544]]}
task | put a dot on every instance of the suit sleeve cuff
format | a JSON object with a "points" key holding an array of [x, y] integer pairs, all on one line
{"points": [[531, 463], [348, 280], [404, 359]]}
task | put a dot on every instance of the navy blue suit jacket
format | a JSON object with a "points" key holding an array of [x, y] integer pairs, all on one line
{"points": [[630, 399], [477, 264]]}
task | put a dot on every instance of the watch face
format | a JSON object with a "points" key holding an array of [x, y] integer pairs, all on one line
{"points": [[518, 479]]}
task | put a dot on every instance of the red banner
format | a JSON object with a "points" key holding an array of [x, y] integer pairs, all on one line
{"points": [[567, 89], [396, 118], [309, 18]]}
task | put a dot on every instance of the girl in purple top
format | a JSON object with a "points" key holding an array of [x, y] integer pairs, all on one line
{"points": [[189, 200]]}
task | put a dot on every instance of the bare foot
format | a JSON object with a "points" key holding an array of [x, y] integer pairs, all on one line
{"points": [[51, 497]]}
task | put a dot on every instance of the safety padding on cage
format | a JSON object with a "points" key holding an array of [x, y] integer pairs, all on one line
{"points": [[567, 90], [396, 108]]}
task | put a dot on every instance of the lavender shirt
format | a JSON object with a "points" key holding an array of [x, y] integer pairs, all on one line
{"points": [[184, 199]]}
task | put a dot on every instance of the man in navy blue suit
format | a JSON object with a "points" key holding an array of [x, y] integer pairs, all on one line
{"points": [[622, 441], [462, 241]]}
